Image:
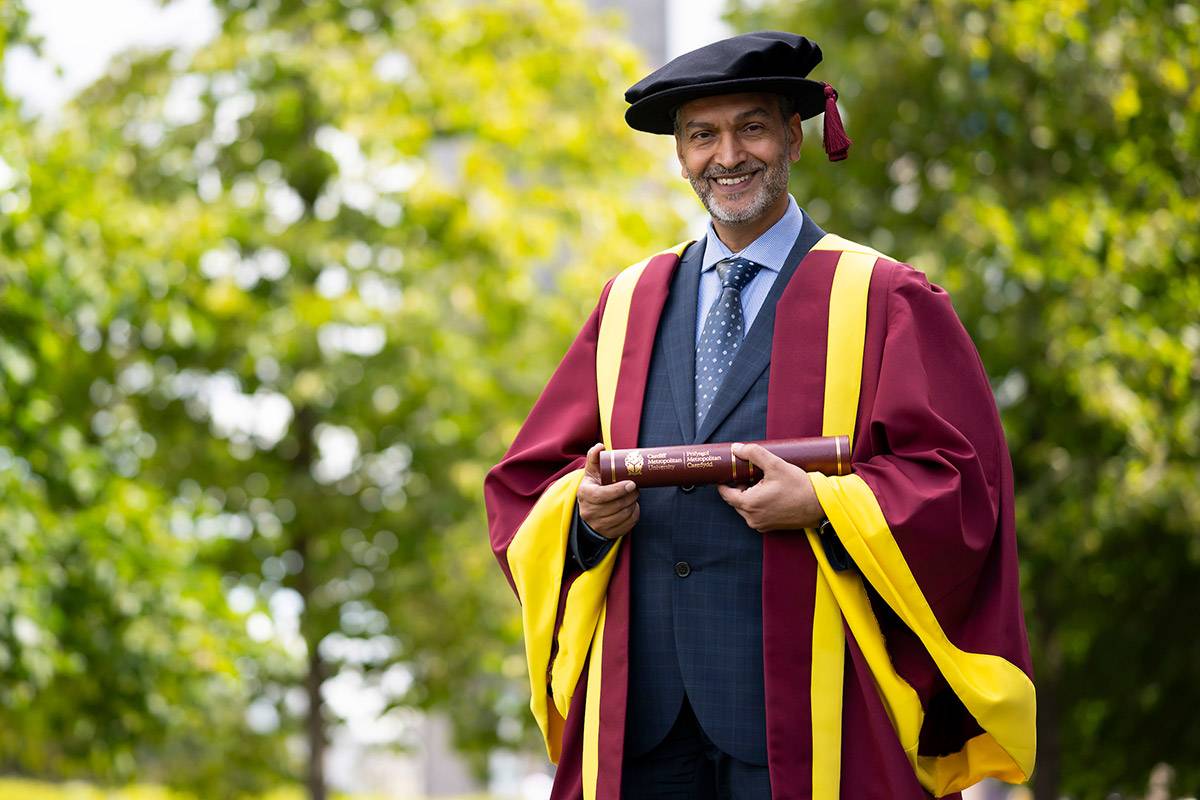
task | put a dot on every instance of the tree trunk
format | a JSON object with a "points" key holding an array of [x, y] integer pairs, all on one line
{"points": [[315, 724], [314, 727], [1048, 772], [1049, 761]]}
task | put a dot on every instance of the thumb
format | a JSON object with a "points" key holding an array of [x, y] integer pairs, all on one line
{"points": [[759, 456], [592, 468]]}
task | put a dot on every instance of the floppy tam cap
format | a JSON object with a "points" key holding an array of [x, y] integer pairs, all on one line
{"points": [[767, 61]]}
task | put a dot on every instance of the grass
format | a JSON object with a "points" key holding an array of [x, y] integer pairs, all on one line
{"points": [[22, 789]]}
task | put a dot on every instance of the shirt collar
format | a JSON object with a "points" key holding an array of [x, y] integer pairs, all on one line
{"points": [[771, 249]]}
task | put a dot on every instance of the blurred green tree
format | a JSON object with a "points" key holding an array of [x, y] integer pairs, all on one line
{"points": [[1042, 162], [337, 252], [119, 655]]}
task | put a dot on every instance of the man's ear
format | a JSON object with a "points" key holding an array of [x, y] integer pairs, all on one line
{"points": [[796, 128]]}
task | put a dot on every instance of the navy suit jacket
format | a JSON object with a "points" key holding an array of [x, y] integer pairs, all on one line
{"points": [[696, 569]]}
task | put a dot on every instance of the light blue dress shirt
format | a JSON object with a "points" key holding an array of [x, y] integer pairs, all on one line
{"points": [[771, 250]]}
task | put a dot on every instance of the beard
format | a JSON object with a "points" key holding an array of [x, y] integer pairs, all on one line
{"points": [[772, 186]]}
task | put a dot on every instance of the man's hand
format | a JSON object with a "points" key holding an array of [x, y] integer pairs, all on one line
{"points": [[783, 500], [612, 510]]}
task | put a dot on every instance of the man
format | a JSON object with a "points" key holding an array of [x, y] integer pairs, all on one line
{"points": [[810, 636]]}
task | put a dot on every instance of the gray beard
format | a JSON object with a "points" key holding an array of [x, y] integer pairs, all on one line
{"points": [[774, 184]]}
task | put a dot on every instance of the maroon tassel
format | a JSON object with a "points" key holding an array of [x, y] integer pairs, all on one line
{"points": [[837, 143]]}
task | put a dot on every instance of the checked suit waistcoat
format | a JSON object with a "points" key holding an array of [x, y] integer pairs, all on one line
{"points": [[696, 567]]}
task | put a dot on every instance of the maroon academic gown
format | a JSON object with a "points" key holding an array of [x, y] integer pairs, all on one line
{"points": [[929, 444]]}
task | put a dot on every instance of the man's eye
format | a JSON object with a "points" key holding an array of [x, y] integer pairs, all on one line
{"points": [[701, 135], [754, 128]]}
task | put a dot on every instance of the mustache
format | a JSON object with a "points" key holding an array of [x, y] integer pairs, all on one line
{"points": [[745, 166]]}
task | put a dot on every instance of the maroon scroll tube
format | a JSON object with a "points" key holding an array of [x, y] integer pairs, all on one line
{"points": [[692, 465]]}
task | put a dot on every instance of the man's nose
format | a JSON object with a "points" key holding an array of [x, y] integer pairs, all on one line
{"points": [[729, 151]]}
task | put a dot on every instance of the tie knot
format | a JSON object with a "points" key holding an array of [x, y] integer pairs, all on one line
{"points": [[736, 272]]}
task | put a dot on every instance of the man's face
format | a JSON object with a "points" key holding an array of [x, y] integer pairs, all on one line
{"points": [[735, 150]]}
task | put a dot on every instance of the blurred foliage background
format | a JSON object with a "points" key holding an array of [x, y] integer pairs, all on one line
{"points": [[269, 311]]}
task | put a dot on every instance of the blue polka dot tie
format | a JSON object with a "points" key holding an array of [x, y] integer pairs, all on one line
{"points": [[722, 333]]}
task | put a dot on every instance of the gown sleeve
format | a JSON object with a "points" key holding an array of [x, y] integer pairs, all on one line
{"points": [[927, 517], [531, 501], [936, 460]]}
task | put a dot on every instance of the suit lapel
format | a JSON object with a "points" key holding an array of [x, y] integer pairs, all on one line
{"points": [[755, 353], [679, 330]]}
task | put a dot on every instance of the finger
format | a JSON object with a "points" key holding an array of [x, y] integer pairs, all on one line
{"points": [[731, 494], [619, 530], [612, 522], [633, 519], [759, 456], [592, 467], [602, 510], [594, 493]]}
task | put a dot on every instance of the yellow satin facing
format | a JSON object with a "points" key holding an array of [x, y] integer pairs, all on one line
{"points": [[591, 712], [611, 344], [536, 557], [843, 375]]}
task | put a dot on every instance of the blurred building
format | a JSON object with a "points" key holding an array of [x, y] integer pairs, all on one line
{"points": [[663, 29], [647, 24], [365, 762]]}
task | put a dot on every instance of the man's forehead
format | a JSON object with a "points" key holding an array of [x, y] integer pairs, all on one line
{"points": [[746, 104]]}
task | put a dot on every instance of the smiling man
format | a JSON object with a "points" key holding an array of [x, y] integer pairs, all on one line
{"points": [[737, 150], [857, 636]]}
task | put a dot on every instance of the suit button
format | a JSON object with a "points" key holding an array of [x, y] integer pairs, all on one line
{"points": [[683, 569], [687, 489]]}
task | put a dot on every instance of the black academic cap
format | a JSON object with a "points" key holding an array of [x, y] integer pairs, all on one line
{"points": [[767, 61]]}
